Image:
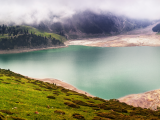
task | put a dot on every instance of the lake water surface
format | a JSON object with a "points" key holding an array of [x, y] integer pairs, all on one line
{"points": [[103, 72]]}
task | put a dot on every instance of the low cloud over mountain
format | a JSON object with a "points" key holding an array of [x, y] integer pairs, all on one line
{"points": [[35, 11]]}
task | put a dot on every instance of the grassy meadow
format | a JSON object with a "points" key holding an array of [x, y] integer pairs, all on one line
{"points": [[43, 34], [22, 98], [36, 32]]}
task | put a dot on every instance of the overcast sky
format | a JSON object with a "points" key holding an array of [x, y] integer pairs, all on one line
{"points": [[29, 11]]}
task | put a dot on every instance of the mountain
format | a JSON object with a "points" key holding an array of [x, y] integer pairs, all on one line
{"points": [[156, 28], [90, 24], [81, 25]]}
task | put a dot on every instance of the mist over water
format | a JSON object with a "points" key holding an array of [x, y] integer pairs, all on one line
{"points": [[103, 72]]}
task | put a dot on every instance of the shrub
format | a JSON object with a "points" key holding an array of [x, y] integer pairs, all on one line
{"points": [[51, 97], [78, 116], [92, 105], [64, 90], [103, 106], [7, 112], [17, 80], [99, 118], [2, 117], [17, 118], [59, 112], [71, 105], [100, 99], [90, 101], [67, 99], [6, 82], [96, 108], [49, 87], [84, 96], [68, 94], [38, 89], [115, 115], [56, 93], [79, 102]]}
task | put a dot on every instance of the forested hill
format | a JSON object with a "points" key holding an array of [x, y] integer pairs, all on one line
{"points": [[15, 37]]}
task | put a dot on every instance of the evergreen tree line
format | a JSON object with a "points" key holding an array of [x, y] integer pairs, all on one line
{"points": [[19, 37], [27, 40], [13, 30]]}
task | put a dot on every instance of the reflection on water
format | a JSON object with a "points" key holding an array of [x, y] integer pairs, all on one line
{"points": [[103, 72]]}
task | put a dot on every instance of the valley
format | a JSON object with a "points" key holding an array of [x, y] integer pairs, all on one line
{"points": [[139, 37], [80, 60]]}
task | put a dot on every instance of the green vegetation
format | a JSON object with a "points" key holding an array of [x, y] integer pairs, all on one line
{"points": [[22, 98], [44, 34], [14, 37]]}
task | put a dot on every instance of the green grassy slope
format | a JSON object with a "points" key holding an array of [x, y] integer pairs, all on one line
{"points": [[37, 32], [43, 34], [20, 37], [22, 98]]}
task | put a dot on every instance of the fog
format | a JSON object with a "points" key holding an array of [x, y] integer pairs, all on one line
{"points": [[34, 11]]}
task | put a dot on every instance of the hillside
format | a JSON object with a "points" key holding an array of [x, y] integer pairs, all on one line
{"points": [[138, 37], [16, 37], [89, 24], [156, 28], [23, 98]]}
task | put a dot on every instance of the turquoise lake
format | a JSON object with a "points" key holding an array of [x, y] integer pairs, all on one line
{"points": [[104, 72]]}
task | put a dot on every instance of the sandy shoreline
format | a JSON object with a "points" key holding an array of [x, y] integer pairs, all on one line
{"points": [[29, 49], [150, 99], [63, 84], [119, 41]]}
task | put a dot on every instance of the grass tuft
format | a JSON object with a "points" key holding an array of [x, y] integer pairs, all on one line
{"points": [[51, 97], [71, 105], [78, 116], [59, 112], [17, 118], [7, 112]]}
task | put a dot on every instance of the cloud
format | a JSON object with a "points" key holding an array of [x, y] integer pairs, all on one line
{"points": [[34, 11]]}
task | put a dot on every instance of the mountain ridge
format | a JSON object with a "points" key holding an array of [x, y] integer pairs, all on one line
{"points": [[90, 24]]}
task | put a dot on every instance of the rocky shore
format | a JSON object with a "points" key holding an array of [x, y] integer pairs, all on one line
{"points": [[150, 99]]}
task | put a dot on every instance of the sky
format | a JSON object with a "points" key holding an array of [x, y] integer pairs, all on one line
{"points": [[34, 11]]}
